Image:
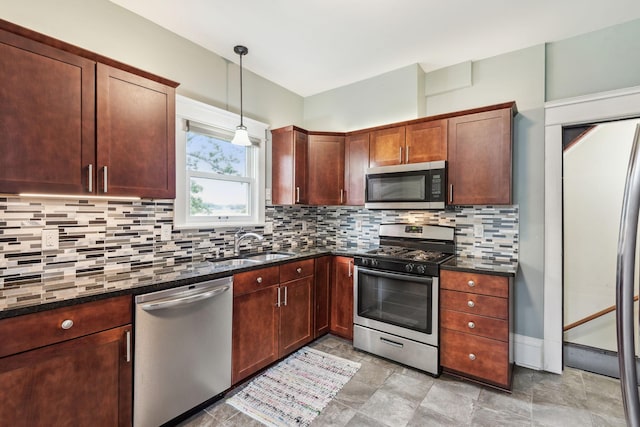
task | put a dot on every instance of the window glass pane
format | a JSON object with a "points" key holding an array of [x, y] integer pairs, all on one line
{"points": [[206, 153], [215, 197]]}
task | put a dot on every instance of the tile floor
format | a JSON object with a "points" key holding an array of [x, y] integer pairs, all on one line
{"points": [[385, 394]]}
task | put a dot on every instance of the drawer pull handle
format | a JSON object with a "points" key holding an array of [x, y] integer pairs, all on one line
{"points": [[299, 270], [471, 325], [391, 343], [472, 356], [66, 324], [471, 304], [259, 280], [471, 283]]}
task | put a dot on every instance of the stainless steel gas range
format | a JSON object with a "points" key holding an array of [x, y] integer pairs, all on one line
{"points": [[396, 290]]}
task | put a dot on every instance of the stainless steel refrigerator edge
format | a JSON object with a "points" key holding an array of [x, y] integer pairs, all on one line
{"points": [[625, 284], [182, 349]]}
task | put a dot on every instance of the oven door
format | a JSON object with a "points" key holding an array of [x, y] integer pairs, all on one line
{"points": [[400, 304]]}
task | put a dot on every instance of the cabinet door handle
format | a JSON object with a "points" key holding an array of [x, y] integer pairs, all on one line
{"points": [[90, 180], [66, 324], [299, 270], [285, 295], [450, 193], [400, 159], [406, 155], [278, 303], [104, 179], [471, 283], [128, 346], [471, 325], [297, 194], [471, 304], [350, 273], [472, 356], [259, 280], [341, 196]]}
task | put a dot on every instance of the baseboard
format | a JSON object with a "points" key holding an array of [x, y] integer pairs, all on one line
{"points": [[528, 352]]}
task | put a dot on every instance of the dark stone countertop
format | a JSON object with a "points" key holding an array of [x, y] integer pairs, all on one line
{"points": [[481, 265]]}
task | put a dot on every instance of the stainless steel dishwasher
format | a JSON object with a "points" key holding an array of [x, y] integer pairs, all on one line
{"points": [[182, 349]]}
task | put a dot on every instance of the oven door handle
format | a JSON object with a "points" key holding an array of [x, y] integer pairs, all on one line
{"points": [[421, 279]]}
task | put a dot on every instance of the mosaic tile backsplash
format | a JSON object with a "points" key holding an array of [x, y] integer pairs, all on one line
{"points": [[99, 237]]}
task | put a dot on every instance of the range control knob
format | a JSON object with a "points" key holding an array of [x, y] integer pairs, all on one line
{"points": [[374, 263], [408, 268], [365, 261], [420, 269]]}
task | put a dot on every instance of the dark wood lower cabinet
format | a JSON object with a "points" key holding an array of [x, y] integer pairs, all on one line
{"points": [[342, 297], [80, 382], [271, 319], [296, 314], [322, 295], [255, 332]]}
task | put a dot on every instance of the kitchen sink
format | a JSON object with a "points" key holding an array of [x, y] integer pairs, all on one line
{"points": [[233, 262], [267, 256]]}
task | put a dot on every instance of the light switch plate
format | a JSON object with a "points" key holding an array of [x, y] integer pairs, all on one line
{"points": [[358, 225], [267, 194], [50, 240], [165, 232]]}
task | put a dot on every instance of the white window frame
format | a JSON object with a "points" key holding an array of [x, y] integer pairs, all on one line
{"points": [[191, 110]]}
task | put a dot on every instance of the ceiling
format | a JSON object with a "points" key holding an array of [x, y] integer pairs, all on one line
{"points": [[310, 46]]}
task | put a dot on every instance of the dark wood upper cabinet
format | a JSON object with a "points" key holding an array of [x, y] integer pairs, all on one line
{"points": [[136, 135], [326, 170], [387, 147], [479, 158], [426, 141], [72, 121], [47, 118], [289, 166], [356, 162]]}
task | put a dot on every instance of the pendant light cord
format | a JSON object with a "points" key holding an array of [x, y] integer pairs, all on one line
{"points": [[241, 110]]}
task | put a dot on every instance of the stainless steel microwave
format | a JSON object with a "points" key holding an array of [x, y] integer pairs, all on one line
{"points": [[410, 186]]}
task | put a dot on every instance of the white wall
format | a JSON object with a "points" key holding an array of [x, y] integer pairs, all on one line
{"points": [[391, 97], [594, 172], [105, 28], [595, 62]]}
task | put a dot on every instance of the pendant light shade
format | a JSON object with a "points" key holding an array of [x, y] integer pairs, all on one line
{"points": [[242, 136]]}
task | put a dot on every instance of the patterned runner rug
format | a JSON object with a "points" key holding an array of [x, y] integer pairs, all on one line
{"points": [[296, 390]]}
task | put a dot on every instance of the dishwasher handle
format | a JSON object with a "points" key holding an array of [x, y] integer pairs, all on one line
{"points": [[181, 301]]}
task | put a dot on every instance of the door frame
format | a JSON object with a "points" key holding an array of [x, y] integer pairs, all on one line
{"points": [[599, 107]]}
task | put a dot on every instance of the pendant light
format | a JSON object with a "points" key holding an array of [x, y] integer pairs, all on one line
{"points": [[241, 137]]}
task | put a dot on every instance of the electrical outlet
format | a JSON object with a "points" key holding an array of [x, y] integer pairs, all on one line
{"points": [[267, 194], [478, 230], [304, 225], [268, 228], [50, 240], [165, 232], [358, 225]]}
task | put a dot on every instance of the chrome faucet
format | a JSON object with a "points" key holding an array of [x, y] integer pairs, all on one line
{"points": [[239, 237]]}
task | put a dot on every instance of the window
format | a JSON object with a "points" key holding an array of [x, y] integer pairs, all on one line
{"points": [[217, 183]]}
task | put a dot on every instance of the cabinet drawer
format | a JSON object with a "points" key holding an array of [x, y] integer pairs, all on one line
{"points": [[476, 325], [484, 284], [475, 304], [253, 280], [31, 331], [295, 270], [479, 357]]}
